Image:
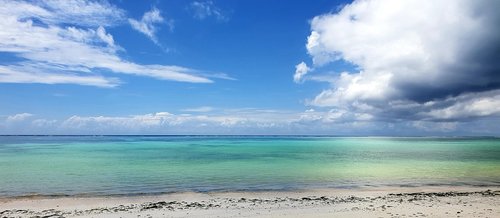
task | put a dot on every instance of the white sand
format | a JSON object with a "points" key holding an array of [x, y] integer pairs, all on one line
{"points": [[376, 202]]}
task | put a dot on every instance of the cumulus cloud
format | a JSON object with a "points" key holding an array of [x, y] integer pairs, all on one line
{"points": [[147, 23], [204, 9], [52, 48], [301, 70], [417, 60]]}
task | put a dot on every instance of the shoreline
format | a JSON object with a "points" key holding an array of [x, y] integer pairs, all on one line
{"points": [[341, 189], [429, 201]]}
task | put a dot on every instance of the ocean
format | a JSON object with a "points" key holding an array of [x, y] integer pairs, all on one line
{"points": [[136, 165]]}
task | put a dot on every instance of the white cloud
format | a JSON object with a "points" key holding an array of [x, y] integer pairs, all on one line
{"points": [[91, 13], [333, 116], [204, 9], [301, 70], [352, 87], [467, 106], [147, 23], [53, 53], [160, 121], [27, 74], [79, 12], [409, 54], [244, 121], [19, 117], [237, 121], [44, 123], [105, 37]]}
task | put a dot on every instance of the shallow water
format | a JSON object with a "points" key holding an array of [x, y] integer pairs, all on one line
{"points": [[115, 165]]}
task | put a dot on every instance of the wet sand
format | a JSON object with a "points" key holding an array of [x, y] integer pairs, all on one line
{"points": [[372, 202]]}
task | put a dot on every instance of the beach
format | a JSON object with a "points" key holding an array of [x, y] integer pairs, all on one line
{"points": [[374, 202]]}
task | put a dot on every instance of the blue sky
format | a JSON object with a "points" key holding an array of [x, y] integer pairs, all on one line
{"points": [[249, 67]]}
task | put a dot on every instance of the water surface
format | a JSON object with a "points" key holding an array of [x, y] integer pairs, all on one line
{"points": [[116, 165]]}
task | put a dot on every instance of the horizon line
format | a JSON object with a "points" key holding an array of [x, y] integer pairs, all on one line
{"points": [[256, 135]]}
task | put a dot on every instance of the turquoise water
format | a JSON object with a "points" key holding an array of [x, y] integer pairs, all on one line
{"points": [[115, 165]]}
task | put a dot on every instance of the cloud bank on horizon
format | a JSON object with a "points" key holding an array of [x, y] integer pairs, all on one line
{"points": [[416, 60]]}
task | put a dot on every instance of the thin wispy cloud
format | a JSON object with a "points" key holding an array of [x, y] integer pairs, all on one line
{"points": [[18, 117], [53, 48], [205, 9], [199, 109], [77, 12], [27, 74], [148, 23]]}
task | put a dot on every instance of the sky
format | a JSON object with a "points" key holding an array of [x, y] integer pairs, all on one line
{"points": [[324, 67]]}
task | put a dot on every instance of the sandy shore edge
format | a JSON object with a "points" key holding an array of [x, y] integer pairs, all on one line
{"points": [[367, 202]]}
